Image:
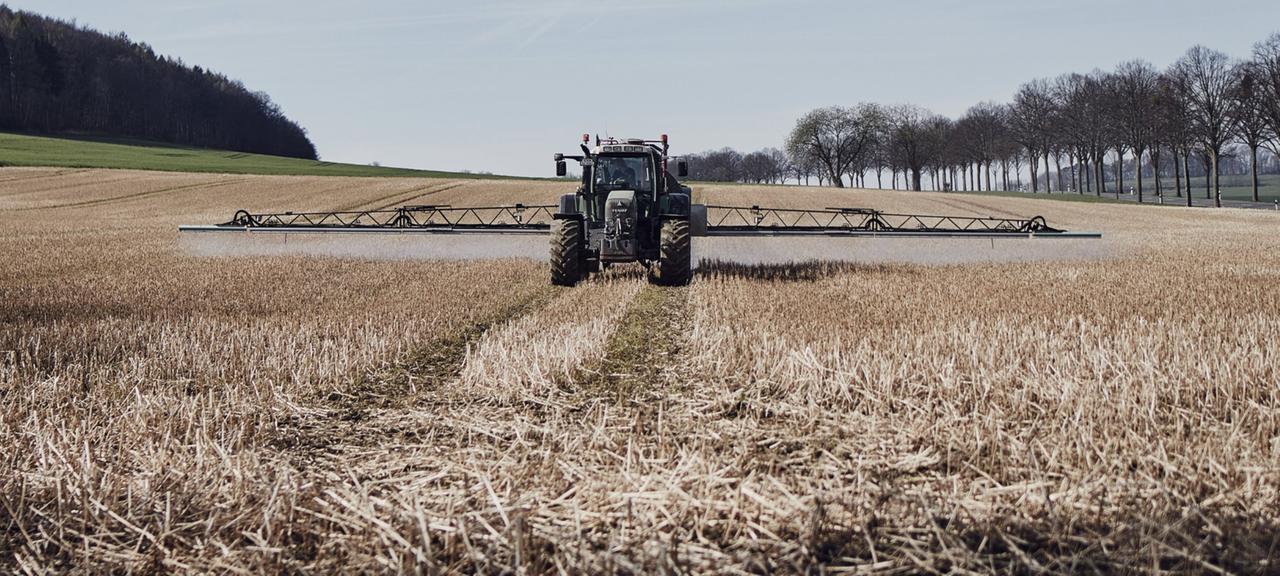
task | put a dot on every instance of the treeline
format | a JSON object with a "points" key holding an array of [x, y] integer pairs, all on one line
{"points": [[768, 166], [56, 77], [1083, 133]]}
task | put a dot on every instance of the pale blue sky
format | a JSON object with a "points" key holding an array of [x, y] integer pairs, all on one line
{"points": [[499, 85]]}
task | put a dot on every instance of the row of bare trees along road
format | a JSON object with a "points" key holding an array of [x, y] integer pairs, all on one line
{"points": [[1084, 133]]}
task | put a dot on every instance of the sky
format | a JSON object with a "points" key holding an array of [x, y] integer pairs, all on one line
{"points": [[501, 85]]}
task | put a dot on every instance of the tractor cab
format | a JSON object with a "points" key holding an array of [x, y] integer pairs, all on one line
{"points": [[621, 171]]}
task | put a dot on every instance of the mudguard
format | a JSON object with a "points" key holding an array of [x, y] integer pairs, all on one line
{"points": [[568, 209], [698, 220], [673, 205]]}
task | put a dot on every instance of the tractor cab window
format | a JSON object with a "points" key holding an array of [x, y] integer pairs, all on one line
{"points": [[623, 173]]}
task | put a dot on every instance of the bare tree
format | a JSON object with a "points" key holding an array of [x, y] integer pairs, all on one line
{"points": [[964, 147], [758, 167], [1016, 161], [1135, 85], [1266, 62], [968, 150], [1006, 149], [916, 139], [1032, 120], [724, 165], [880, 156], [877, 121], [803, 167], [1114, 133], [1172, 115], [1205, 78], [879, 161], [1057, 149], [781, 162], [984, 125], [959, 152], [1083, 124], [1251, 122], [835, 137], [1159, 135], [938, 165]]}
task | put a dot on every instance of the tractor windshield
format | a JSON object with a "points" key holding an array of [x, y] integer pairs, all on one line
{"points": [[624, 173]]}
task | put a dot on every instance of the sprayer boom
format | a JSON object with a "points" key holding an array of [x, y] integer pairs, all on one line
{"points": [[706, 220], [631, 207], [515, 219]]}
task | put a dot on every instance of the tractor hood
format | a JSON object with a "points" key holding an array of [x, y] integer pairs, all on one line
{"points": [[618, 240]]}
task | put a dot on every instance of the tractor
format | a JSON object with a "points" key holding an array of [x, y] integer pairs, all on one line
{"points": [[630, 207]]}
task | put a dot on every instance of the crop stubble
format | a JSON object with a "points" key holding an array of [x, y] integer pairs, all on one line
{"points": [[164, 411]]}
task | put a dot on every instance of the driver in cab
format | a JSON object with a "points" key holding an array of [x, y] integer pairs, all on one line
{"points": [[621, 176]]}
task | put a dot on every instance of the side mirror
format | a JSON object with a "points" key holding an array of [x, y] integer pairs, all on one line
{"points": [[682, 168], [560, 168]]}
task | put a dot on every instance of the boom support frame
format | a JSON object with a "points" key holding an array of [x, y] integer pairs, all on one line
{"points": [[720, 221]]}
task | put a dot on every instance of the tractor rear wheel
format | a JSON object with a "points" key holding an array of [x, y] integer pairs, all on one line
{"points": [[566, 253], [675, 255]]}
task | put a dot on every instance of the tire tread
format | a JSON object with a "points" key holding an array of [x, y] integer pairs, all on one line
{"points": [[566, 253], [675, 266]]}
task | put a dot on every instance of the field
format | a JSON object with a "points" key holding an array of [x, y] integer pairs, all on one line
{"points": [[93, 152], [1239, 187], [161, 411], [1234, 187]]}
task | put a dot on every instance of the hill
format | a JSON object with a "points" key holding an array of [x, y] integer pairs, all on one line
{"points": [[91, 152], [58, 77]]}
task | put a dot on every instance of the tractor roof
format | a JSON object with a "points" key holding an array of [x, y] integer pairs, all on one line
{"points": [[623, 149]]}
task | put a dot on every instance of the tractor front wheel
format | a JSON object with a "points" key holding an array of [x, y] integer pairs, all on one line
{"points": [[675, 255], [566, 253]]}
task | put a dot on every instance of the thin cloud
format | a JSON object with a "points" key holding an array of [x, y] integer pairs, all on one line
{"points": [[523, 23]]}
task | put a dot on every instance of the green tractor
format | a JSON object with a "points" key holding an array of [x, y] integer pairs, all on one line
{"points": [[629, 208]]}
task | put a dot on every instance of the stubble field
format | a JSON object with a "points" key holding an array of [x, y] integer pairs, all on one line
{"points": [[164, 411]]}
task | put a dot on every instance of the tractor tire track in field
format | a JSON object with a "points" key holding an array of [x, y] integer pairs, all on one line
{"points": [[360, 205], [128, 197], [428, 368], [363, 415], [58, 187], [978, 208], [403, 201], [42, 176], [641, 354], [355, 441], [398, 197]]}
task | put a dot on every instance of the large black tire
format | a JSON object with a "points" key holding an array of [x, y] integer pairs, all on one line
{"points": [[675, 255], [566, 252]]}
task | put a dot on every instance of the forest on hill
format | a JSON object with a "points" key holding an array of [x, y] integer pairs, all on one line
{"points": [[57, 77]]}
